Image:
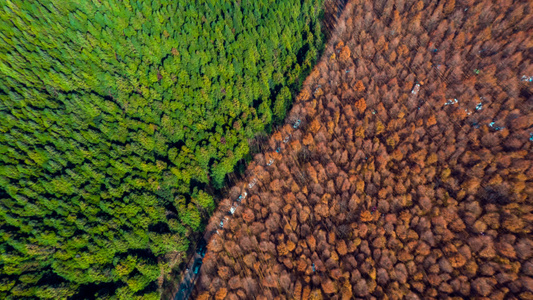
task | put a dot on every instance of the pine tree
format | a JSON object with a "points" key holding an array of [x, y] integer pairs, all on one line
{"points": [[101, 110]]}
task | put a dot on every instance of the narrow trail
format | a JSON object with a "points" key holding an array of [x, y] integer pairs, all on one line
{"points": [[192, 271], [333, 11]]}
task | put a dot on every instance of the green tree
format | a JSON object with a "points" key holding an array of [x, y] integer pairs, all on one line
{"points": [[111, 110]]}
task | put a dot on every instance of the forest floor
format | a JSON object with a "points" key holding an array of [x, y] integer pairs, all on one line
{"points": [[404, 169]]}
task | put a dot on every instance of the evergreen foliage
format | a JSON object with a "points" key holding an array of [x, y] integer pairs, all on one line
{"points": [[112, 114]]}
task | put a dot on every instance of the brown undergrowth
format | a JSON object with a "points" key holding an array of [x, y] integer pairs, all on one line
{"points": [[409, 174]]}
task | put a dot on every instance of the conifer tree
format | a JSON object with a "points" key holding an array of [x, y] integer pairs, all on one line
{"points": [[111, 110]]}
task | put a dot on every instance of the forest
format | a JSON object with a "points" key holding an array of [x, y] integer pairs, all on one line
{"points": [[387, 151], [119, 122], [404, 170]]}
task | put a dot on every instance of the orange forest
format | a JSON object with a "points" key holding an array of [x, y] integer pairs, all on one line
{"points": [[404, 169]]}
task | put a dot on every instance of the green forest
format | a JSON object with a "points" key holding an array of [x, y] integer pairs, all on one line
{"points": [[118, 117]]}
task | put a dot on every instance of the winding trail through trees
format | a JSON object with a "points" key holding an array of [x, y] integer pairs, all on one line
{"points": [[333, 11], [192, 272]]}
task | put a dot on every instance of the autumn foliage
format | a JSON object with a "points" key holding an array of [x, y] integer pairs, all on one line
{"points": [[396, 190]]}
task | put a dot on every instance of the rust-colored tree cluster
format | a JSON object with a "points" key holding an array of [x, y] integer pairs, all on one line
{"points": [[411, 175]]}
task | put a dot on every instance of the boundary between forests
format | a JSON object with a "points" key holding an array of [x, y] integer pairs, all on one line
{"points": [[333, 10]]}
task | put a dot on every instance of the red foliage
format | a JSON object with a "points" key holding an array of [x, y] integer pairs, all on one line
{"points": [[453, 186]]}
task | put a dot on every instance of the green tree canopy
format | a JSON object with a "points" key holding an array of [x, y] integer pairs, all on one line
{"points": [[111, 110]]}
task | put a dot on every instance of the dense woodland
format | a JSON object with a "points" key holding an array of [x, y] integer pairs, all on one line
{"points": [[410, 174], [117, 117]]}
